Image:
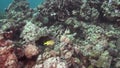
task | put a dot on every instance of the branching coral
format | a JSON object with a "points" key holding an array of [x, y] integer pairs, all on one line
{"points": [[31, 32]]}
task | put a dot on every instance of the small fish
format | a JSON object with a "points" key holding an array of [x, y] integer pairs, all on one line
{"points": [[49, 43]]}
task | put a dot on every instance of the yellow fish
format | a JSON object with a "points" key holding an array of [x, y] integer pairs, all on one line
{"points": [[49, 43]]}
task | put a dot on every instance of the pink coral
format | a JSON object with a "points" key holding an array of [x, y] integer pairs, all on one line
{"points": [[7, 57], [11, 61], [31, 50]]}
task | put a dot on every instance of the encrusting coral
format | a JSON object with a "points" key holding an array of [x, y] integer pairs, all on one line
{"points": [[61, 34]]}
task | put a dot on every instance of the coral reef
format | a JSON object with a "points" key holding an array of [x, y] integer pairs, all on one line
{"points": [[61, 34], [111, 10]]}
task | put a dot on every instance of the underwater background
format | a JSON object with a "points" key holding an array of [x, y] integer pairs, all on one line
{"points": [[4, 3]]}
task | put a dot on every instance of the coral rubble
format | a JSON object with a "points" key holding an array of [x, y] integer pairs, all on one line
{"points": [[61, 34]]}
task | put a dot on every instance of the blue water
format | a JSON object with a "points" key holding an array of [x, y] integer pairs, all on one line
{"points": [[34, 3], [5, 3]]}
